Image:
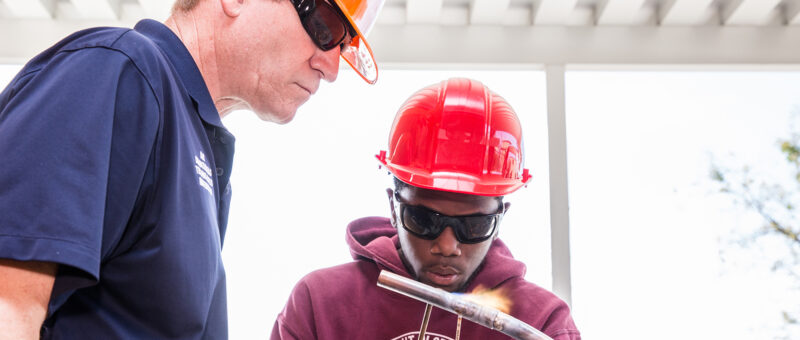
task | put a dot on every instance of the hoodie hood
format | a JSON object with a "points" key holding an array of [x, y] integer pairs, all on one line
{"points": [[374, 239]]}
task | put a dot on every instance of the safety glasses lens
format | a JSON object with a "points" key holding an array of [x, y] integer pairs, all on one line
{"points": [[420, 223], [428, 224], [477, 227], [325, 26]]}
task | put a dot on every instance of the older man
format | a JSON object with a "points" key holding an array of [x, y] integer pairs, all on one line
{"points": [[455, 150], [114, 192]]}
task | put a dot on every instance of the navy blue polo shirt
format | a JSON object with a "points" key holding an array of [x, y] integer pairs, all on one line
{"points": [[115, 165]]}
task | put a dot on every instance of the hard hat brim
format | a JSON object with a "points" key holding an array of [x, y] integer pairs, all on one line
{"points": [[454, 182], [359, 54]]}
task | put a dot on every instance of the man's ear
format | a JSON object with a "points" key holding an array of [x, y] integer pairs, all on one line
{"points": [[392, 216], [232, 8]]}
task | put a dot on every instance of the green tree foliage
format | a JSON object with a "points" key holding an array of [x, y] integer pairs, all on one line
{"points": [[776, 201]]}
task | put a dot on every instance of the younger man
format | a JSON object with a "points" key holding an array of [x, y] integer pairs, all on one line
{"points": [[455, 150]]}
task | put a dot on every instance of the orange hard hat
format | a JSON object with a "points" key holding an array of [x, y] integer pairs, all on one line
{"points": [[362, 15], [457, 136]]}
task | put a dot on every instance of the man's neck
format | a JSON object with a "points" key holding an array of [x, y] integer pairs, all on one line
{"points": [[193, 27]]}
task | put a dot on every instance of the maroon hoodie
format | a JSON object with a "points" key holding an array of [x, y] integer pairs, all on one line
{"points": [[344, 302]]}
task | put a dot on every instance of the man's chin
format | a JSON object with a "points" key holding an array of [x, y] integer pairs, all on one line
{"points": [[450, 288], [280, 118]]}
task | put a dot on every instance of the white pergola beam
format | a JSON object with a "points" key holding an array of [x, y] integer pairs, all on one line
{"points": [[31, 8], [618, 12], [587, 45], [684, 12], [553, 12], [487, 11], [749, 12], [157, 9], [508, 45], [98, 9], [559, 197], [423, 11]]}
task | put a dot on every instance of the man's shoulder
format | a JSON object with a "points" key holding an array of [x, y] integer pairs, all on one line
{"points": [[121, 39], [350, 270], [91, 37], [526, 290], [90, 40], [101, 51], [540, 308], [106, 45], [345, 276]]}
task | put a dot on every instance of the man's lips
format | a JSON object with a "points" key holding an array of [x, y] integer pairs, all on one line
{"points": [[442, 275], [310, 89]]}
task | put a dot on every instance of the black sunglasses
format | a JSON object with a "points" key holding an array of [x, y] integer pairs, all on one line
{"points": [[428, 224], [324, 23]]}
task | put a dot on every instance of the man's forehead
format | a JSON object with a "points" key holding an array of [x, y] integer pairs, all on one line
{"points": [[411, 192]]}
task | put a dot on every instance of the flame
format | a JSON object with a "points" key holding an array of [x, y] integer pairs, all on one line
{"points": [[494, 298]]}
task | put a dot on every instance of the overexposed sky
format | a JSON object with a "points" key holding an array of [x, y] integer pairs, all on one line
{"points": [[647, 227]]}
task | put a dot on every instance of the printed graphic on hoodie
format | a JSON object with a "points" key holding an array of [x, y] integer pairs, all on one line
{"points": [[428, 336]]}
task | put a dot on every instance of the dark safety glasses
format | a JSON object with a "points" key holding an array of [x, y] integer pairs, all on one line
{"points": [[324, 23], [428, 224]]}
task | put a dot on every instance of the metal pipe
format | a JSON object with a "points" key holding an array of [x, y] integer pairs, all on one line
{"points": [[480, 314], [424, 327], [458, 327]]}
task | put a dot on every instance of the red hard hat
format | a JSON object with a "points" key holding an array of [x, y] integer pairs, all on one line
{"points": [[457, 136]]}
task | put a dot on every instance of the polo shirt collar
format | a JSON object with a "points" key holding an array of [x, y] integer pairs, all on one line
{"points": [[174, 49]]}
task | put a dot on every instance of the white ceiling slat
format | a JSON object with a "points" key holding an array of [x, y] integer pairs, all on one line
{"points": [[98, 9], [684, 12], [618, 12], [31, 8], [702, 46], [749, 12], [791, 12], [488, 11], [705, 46], [518, 16], [157, 9], [423, 11], [454, 16], [553, 12], [582, 31]]}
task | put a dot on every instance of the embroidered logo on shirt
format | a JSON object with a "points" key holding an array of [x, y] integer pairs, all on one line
{"points": [[428, 336], [204, 173]]}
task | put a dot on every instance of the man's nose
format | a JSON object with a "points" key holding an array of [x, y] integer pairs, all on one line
{"points": [[446, 244], [327, 62]]}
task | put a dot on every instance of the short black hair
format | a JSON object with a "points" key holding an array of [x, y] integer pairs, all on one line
{"points": [[398, 184]]}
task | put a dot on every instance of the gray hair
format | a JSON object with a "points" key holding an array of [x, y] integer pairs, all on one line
{"points": [[184, 5]]}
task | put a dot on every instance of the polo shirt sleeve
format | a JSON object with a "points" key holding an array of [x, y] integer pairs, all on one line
{"points": [[57, 124]]}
